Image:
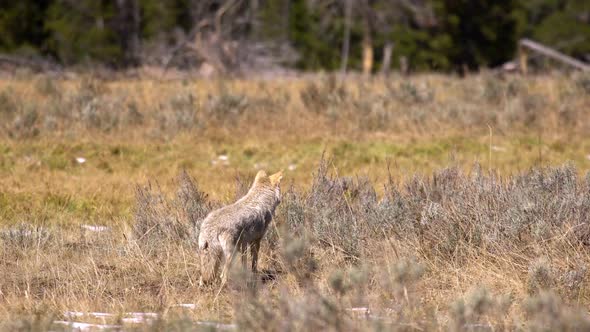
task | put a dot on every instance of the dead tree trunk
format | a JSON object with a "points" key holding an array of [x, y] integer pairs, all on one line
{"points": [[526, 45], [367, 40], [346, 41], [523, 60], [386, 63]]}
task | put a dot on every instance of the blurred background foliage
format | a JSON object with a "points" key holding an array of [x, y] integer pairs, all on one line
{"points": [[444, 35]]}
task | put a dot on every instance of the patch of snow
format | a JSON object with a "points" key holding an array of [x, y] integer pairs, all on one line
{"points": [[137, 320], [361, 311], [136, 317], [95, 228], [224, 159], [129, 318], [79, 326], [80, 160], [217, 325], [143, 314]]}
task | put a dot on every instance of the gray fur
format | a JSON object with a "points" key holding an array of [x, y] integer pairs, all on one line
{"points": [[235, 227]]}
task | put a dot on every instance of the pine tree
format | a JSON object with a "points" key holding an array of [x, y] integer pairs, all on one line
{"points": [[482, 33], [79, 30], [563, 24], [21, 25]]}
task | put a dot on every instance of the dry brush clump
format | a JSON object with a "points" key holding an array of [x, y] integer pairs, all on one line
{"points": [[444, 213], [160, 218]]}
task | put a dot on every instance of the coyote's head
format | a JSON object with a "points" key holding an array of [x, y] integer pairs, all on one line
{"points": [[275, 182], [275, 179], [271, 182]]}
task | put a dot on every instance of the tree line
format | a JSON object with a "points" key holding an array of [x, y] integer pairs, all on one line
{"points": [[445, 35]]}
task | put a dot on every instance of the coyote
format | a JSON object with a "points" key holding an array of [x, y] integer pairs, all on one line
{"points": [[238, 226]]}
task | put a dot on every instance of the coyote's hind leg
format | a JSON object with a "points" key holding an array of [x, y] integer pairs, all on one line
{"points": [[254, 248], [244, 254], [210, 261], [229, 253]]}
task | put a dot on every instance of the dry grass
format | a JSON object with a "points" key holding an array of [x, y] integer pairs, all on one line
{"points": [[386, 224]]}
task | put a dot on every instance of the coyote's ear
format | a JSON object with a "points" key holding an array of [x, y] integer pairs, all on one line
{"points": [[275, 179], [261, 174]]}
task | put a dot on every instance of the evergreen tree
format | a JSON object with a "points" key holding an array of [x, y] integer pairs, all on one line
{"points": [[431, 34], [562, 24], [21, 25], [79, 30], [481, 33]]}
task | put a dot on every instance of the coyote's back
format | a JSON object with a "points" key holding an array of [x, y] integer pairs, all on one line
{"points": [[238, 226]]}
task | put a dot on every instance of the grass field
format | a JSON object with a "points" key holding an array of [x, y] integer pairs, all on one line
{"points": [[428, 202]]}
